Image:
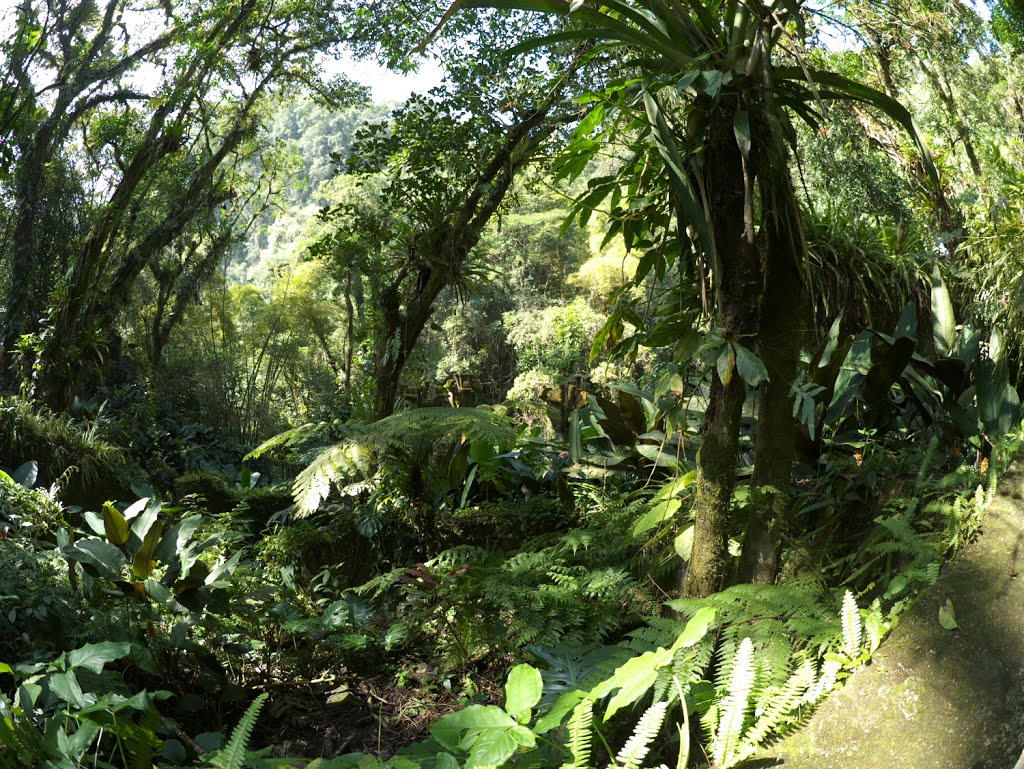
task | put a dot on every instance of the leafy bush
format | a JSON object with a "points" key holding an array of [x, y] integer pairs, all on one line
{"points": [[90, 469]]}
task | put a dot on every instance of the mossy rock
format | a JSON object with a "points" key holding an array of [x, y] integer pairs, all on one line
{"points": [[259, 503], [933, 698], [507, 523], [220, 498], [264, 501]]}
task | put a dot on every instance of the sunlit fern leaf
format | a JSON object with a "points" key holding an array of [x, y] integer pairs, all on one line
{"points": [[580, 735], [408, 434], [783, 704], [233, 754], [853, 626], [289, 438], [313, 485], [735, 707], [637, 746], [829, 672]]}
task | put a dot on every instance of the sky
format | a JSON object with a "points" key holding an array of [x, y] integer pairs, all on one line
{"points": [[388, 86]]}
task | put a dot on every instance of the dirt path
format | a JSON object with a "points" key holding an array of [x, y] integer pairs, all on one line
{"points": [[935, 699]]}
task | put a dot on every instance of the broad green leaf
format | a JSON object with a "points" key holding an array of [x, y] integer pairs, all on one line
{"points": [[726, 364], [832, 343], [448, 729], [563, 706], [492, 748], [115, 527], [446, 761], [26, 474], [711, 82], [98, 553], [943, 319], [684, 542], [634, 679], [135, 508], [95, 522], [657, 515], [695, 629], [907, 325], [741, 127], [996, 347], [657, 455], [680, 180], [143, 563], [522, 691], [79, 742], [145, 520], [947, 616], [224, 568], [94, 656], [66, 687], [750, 367], [175, 539], [523, 736], [636, 676]]}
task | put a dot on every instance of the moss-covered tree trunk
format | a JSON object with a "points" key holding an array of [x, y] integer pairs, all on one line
{"points": [[780, 339], [730, 191]]}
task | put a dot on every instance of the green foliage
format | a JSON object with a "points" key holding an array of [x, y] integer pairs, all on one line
{"points": [[233, 755], [85, 464], [53, 721], [409, 437], [555, 341]]}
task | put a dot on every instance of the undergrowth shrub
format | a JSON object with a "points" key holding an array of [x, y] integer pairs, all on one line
{"points": [[90, 468]]}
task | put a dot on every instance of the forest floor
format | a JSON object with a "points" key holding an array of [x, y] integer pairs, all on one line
{"points": [[934, 698], [372, 715]]}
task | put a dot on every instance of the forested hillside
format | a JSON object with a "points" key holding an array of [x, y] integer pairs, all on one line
{"points": [[608, 404]]}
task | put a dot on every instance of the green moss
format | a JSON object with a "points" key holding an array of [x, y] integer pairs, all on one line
{"points": [[932, 698]]}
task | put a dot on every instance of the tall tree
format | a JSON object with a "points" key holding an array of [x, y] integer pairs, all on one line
{"points": [[448, 162], [161, 151], [716, 94]]}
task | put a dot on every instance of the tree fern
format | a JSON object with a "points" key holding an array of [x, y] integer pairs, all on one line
{"points": [[290, 439], [637, 746], [409, 435], [232, 756]]}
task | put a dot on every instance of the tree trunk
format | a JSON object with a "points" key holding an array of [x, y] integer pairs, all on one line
{"points": [[350, 333], [716, 477], [781, 334], [729, 190]]}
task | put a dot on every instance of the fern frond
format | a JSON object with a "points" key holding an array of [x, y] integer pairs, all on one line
{"points": [[829, 672], [289, 438], [853, 626], [233, 754], [637, 746], [580, 735], [407, 433], [785, 702], [736, 705], [313, 485]]}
